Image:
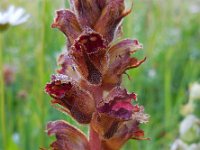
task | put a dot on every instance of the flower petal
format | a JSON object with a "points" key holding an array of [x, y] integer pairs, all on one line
{"points": [[110, 18], [139, 115], [101, 3], [104, 125], [74, 100], [23, 19], [5, 16], [130, 130], [89, 53], [18, 17], [67, 67], [66, 22], [87, 12], [118, 104], [67, 136], [58, 87], [122, 48], [120, 61]]}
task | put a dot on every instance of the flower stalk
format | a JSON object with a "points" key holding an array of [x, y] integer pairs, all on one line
{"points": [[94, 140], [87, 85], [2, 98]]}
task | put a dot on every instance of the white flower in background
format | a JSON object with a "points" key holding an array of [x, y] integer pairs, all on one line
{"points": [[152, 73], [190, 129], [12, 17], [194, 91], [194, 6], [179, 145], [194, 147], [194, 94], [187, 109], [194, 9], [16, 138], [173, 36]]}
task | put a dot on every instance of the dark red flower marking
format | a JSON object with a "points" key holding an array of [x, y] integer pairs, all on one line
{"points": [[57, 89], [118, 104]]}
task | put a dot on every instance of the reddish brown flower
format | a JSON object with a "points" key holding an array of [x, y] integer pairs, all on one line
{"points": [[9, 74], [120, 60], [117, 120], [118, 104], [68, 67], [89, 54], [74, 100], [67, 137], [92, 58], [89, 49], [87, 86], [111, 16], [102, 16], [66, 22]]}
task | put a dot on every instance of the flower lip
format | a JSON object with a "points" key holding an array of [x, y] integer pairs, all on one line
{"points": [[67, 136], [118, 104], [90, 41], [120, 60], [60, 14], [57, 89], [67, 23], [59, 86]]}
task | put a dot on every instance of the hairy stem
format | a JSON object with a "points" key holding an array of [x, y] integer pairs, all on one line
{"points": [[94, 140]]}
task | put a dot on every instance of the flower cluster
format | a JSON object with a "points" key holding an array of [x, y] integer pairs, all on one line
{"points": [[87, 85]]}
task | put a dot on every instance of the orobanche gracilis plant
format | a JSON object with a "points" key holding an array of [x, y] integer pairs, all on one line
{"points": [[87, 85]]}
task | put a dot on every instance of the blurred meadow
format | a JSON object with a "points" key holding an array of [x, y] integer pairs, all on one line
{"points": [[170, 33]]}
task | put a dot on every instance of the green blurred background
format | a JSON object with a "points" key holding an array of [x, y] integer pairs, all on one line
{"points": [[170, 33]]}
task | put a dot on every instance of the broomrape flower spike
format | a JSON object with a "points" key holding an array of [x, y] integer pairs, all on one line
{"points": [[12, 17], [87, 85]]}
